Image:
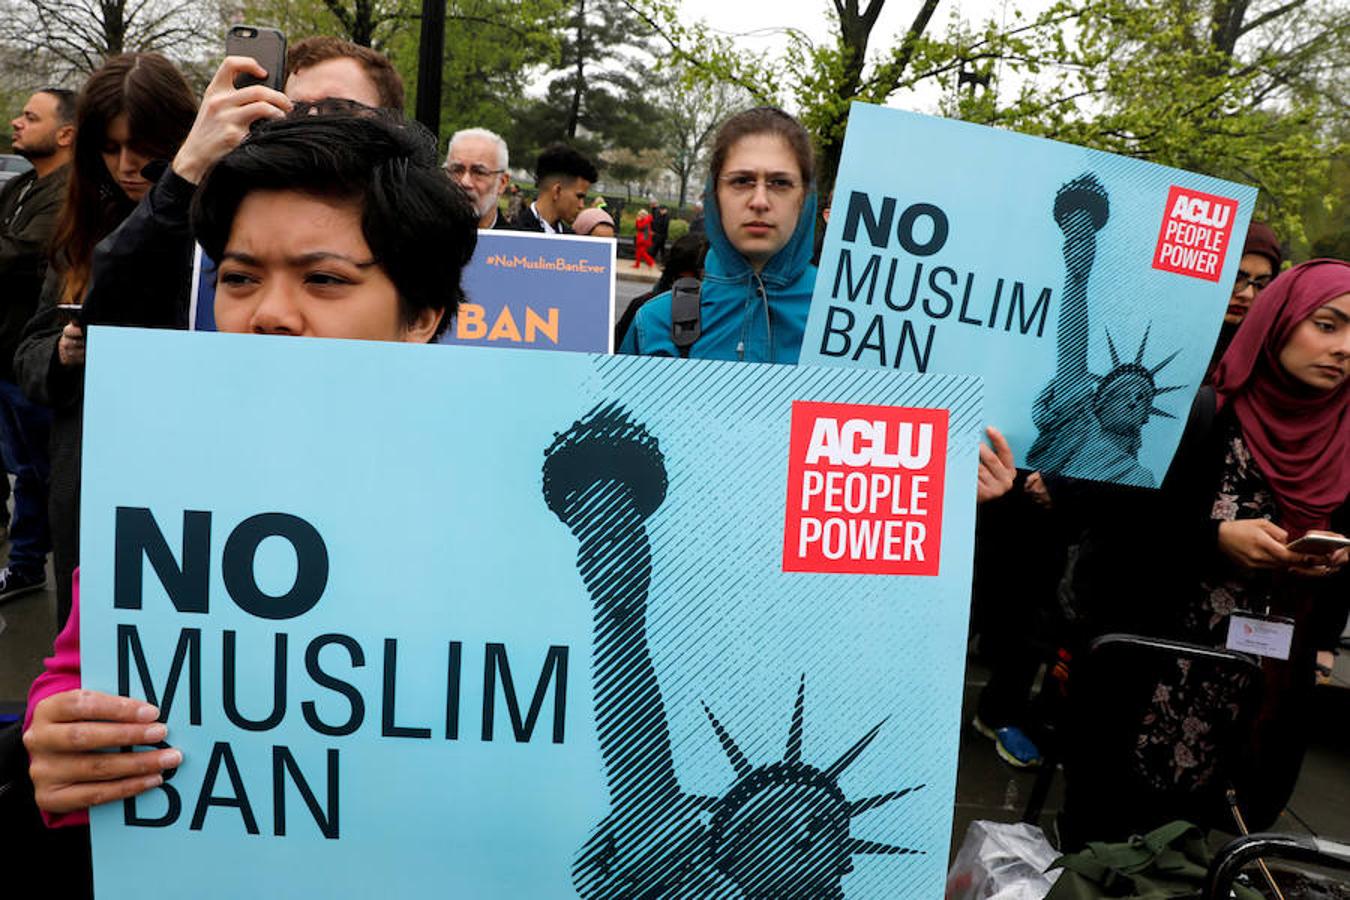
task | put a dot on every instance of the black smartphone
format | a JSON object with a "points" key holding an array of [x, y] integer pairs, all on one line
{"points": [[69, 312], [266, 45]]}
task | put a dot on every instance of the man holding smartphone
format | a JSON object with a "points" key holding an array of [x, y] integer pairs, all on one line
{"points": [[142, 272]]}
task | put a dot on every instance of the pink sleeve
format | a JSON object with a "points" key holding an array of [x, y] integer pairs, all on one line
{"points": [[61, 673]]}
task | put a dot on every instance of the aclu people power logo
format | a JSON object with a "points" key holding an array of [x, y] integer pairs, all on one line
{"points": [[1195, 233], [865, 489]]}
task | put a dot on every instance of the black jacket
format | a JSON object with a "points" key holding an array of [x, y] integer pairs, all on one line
{"points": [[142, 272], [528, 221], [39, 373], [1145, 552], [25, 232]]}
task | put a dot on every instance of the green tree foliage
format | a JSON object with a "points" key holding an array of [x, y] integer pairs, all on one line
{"points": [[1250, 91], [491, 49], [818, 81], [370, 23], [599, 92], [688, 119], [633, 169]]}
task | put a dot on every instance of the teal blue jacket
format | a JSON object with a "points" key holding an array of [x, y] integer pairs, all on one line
{"points": [[755, 318]]}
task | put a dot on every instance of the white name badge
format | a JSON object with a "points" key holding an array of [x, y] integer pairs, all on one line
{"points": [[1269, 636]]}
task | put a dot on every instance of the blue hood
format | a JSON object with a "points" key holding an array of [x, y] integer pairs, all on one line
{"points": [[787, 265], [738, 320]]}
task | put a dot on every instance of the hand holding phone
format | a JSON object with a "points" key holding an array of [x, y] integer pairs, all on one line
{"points": [[1323, 553], [226, 114], [265, 45], [1319, 543]]}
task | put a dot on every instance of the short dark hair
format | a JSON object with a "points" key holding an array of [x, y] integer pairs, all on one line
{"points": [[313, 50], [558, 161], [65, 103], [420, 225], [685, 255], [764, 120]]}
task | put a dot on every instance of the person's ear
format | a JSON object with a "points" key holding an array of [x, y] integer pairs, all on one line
{"points": [[422, 329], [65, 136]]}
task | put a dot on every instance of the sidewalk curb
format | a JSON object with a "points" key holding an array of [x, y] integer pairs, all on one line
{"points": [[627, 273]]}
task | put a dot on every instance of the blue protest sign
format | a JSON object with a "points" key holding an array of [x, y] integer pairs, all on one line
{"points": [[545, 292], [1086, 288], [456, 622], [202, 305]]}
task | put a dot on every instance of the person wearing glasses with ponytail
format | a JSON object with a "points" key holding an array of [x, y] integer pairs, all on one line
{"points": [[760, 202]]}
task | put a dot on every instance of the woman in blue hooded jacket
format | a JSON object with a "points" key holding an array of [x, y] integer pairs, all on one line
{"points": [[761, 204]]}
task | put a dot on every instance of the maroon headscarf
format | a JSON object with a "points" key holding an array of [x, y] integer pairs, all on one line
{"points": [[1299, 437]]}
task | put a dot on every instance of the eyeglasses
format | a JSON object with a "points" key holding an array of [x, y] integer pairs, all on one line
{"points": [[479, 173], [339, 106], [1258, 282], [747, 183]]}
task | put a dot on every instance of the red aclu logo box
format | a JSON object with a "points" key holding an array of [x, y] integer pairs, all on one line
{"points": [[865, 489], [1196, 230]]}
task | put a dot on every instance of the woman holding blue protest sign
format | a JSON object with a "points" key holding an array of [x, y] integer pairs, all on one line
{"points": [[757, 282], [327, 226]]}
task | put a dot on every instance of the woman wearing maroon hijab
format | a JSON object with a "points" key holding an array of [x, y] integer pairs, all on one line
{"points": [[1265, 458], [1284, 376], [1282, 401]]}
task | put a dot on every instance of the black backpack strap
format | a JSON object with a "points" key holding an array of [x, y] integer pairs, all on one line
{"points": [[686, 318]]}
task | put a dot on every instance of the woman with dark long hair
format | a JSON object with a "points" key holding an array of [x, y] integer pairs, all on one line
{"points": [[132, 114]]}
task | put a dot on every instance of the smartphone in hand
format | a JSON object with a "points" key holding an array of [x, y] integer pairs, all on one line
{"points": [[266, 45], [69, 313], [1318, 543]]}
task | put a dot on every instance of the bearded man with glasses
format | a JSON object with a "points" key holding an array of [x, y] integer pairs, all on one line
{"points": [[478, 161]]}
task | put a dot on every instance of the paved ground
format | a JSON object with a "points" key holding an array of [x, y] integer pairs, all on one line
{"points": [[27, 628], [629, 285]]}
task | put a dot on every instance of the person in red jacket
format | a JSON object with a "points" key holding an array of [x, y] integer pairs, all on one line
{"points": [[642, 244]]}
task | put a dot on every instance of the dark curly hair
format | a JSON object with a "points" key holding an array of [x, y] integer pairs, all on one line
{"points": [[420, 225]]}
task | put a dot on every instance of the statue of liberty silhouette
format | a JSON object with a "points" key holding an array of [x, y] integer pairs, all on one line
{"points": [[1088, 425], [782, 829]]}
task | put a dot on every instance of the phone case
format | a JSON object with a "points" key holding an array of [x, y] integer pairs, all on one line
{"points": [[266, 45]]}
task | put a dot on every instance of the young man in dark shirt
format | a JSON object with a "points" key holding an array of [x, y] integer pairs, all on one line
{"points": [[562, 176]]}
